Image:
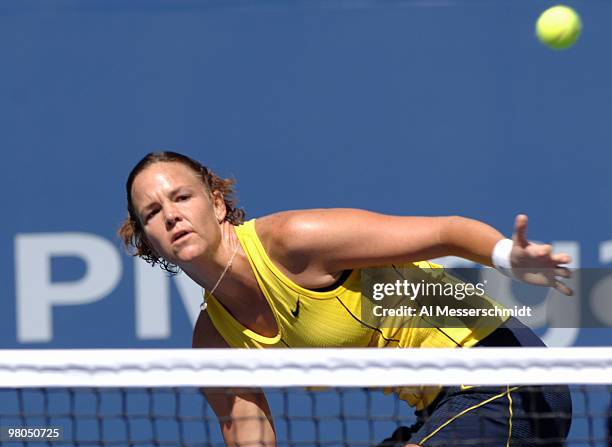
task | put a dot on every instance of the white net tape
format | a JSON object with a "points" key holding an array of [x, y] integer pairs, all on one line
{"points": [[303, 367]]}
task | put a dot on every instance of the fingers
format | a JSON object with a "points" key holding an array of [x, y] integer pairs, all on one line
{"points": [[563, 272], [545, 251], [561, 258], [565, 290], [520, 231]]}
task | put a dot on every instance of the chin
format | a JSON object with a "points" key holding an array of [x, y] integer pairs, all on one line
{"points": [[188, 254]]}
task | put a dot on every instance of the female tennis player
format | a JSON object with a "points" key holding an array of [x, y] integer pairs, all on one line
{"points": [[292, 279]]}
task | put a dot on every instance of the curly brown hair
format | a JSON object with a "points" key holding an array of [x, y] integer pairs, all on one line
{"points": [[131, 231]]}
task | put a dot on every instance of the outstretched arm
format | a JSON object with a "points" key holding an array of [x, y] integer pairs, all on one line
{"points": [[332, 240]]}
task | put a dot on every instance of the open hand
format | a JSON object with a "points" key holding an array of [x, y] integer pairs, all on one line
{"points": [[535, 263]]}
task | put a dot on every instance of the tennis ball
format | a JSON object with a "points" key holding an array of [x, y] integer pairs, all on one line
{"points": [[558, 27]]}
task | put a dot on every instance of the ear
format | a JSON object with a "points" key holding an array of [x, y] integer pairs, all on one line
{"points": [[219, 206]]}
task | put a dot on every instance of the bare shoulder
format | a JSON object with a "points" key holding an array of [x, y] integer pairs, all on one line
{"points": [[337, 239], [291, 232], [302, 240], [205, 334]]}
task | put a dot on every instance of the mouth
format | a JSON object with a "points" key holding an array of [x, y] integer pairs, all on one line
{"points": [[180, 235]]}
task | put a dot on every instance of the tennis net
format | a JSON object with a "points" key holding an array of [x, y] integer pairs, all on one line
{"points": [[319, 397]]}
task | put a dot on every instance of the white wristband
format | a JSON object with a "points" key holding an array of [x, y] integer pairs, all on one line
{"points": [[501, 257]]}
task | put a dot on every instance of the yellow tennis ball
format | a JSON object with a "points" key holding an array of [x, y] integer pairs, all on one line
{"points": [[559, 27]]}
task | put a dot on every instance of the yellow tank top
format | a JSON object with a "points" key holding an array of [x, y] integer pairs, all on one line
{"points": [[307, 318]]}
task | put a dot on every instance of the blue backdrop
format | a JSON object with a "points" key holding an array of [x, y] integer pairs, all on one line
{"points": [[407, 107]]}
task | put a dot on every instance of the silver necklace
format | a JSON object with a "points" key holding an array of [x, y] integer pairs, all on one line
{"points": [[227, 267]]}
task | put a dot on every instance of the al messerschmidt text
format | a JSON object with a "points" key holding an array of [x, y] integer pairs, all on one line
{"points": [[448, 311]]}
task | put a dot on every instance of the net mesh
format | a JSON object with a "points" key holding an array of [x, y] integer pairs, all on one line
{"points": [[315, 398]]}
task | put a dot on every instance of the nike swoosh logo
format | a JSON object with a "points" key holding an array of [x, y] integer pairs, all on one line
{"points": [[295, 312], [466, 387]]}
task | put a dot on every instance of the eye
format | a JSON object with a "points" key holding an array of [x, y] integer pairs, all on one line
{"points": [[151, 214], [183, 197]]}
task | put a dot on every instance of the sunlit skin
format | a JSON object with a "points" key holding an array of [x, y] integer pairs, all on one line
{"points": [[185, 224], [170, 201], [182, 221]]}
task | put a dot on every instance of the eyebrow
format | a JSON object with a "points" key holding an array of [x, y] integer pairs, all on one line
{"points": [[172, 194]]}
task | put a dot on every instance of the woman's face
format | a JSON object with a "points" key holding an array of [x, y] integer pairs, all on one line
{"points": [[179, 216]]}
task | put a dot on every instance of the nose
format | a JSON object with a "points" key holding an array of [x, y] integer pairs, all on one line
{"points": [[171, 217]]}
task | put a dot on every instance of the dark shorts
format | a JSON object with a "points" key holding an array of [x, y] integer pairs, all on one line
{"points": [[497, 416]]}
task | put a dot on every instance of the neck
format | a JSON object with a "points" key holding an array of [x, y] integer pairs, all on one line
{"points": [[224, 265]]}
